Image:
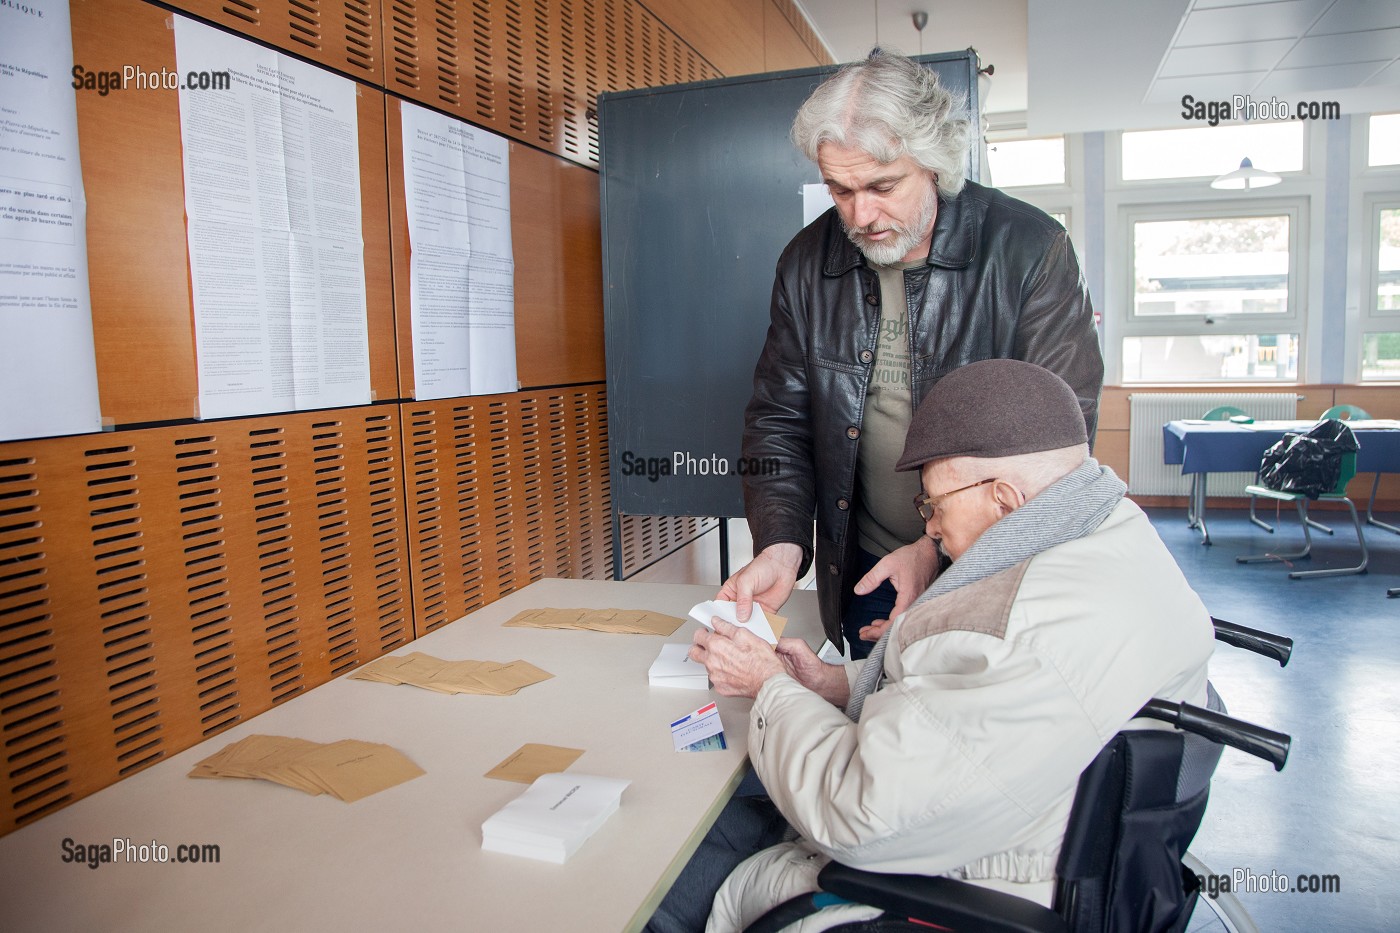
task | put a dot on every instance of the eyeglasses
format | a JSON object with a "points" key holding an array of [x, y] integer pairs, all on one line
{"points": [[926, 504]]}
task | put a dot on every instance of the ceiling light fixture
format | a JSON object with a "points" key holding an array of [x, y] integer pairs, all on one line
{"points": [[1246, 177]]}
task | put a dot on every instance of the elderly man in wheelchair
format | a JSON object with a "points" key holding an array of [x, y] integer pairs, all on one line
{"points": [[951, 759]]}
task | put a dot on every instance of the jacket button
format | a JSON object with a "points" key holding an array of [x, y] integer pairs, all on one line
{"points": [[853, 432], [760, 723], [866, 356], [872, 299], [843, 504], [833, 569]]}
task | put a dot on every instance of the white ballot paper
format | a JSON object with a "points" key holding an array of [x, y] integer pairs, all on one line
{"points": [[758, 622], [553, 817], [674, 667]]}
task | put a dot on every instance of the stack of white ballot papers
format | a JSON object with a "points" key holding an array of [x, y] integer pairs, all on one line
{"points": [[553, 817], [673, 667]]}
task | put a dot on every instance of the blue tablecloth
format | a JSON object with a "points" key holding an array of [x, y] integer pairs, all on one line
{"points": [[1223, 447]]}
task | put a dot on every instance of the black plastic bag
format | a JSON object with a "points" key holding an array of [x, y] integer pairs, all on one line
{"points": [[1308, 463]]}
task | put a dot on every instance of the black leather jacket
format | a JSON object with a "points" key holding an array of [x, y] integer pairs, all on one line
{"points": [[1001, 281]]}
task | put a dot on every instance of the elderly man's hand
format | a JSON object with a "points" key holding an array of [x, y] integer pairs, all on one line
{"points": [[826, 680], [738, 661]]}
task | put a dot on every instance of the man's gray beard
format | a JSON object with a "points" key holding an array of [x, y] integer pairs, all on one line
{"points": [[906, 238]]}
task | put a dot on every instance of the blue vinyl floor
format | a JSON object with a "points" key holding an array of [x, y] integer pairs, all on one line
{"points": [[1335, 808]]}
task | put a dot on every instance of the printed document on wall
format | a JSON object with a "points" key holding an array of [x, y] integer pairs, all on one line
{"points": [[48, 370], [462, 270], [272, 197]]}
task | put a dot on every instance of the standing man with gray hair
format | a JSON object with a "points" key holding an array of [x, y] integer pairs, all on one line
{"points": [[915, 273]]}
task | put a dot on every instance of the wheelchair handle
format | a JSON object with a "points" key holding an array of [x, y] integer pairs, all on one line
{"points": [[1278, 647], [1236, 733]]}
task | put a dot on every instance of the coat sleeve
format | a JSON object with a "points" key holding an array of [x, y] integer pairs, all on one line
{"points": [[1056, 328], [944, 768], [780, 505]]}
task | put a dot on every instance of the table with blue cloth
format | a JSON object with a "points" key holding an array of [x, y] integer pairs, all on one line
{"points": [[1204, 447]]}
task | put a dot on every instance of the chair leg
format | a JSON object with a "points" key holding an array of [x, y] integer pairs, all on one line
{"points": [[1302, 505], [1255, 519], [1341, 571], [1371, 504], [1198, 496]]}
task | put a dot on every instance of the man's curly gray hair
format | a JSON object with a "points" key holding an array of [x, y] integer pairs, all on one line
{"points": [[888, 106]]}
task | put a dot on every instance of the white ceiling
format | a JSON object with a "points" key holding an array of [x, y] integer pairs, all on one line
{"points": [[1083, 65]]}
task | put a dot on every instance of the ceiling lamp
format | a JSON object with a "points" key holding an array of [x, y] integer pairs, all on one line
{"points": [[1246, 177]]}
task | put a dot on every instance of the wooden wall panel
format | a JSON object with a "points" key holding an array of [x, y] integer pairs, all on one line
{"points": [[340, 34], [558, 262], [727, 33], [531, 69], [504, 490], [138, 266], [159, 586], [137, 256], [784, 47]]}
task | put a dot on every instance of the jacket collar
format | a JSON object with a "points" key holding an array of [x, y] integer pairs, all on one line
{"points": [[956, 233]]}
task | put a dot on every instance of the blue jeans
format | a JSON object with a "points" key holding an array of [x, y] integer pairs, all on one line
{"points": [[745, 826], [864, 610]]}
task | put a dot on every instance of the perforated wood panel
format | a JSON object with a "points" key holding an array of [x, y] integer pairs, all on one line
{"points": [[159, 586], [340, 34], [531, 69], [504, 490], [648, 538]]}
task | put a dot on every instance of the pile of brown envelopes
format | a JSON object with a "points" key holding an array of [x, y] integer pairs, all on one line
{"points": [[618, 621], [489, 678], [348, 769]]}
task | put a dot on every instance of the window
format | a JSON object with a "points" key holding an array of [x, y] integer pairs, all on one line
{"points": [[1211, 266], [1213, 291], [1211, 358], [1383, 139], [1202, 152], [1016, 163], [1380, 343]]}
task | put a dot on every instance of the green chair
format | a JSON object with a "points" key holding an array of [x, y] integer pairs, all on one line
{"points": [[1196, 495], [1338, 494], [1357, 413]]}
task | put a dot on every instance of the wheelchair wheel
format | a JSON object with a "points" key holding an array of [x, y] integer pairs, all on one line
{"points": [[1225, 910]]}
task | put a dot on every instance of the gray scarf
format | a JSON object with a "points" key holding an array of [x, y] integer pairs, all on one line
{"points": [[1071, 508]]}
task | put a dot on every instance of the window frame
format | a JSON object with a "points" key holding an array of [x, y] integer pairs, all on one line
{"points": [[1139, 325], [1019, 191], [1373, 188]]}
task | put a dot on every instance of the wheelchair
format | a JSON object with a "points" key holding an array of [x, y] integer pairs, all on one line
{"points": [[1124, 865]]}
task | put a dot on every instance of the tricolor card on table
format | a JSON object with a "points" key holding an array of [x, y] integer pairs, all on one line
{"points": [[700, 731]]}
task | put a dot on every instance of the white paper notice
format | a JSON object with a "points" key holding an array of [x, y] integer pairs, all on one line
{"points": [[272, 193], [48, 371], [816, 201], [462, 267]]}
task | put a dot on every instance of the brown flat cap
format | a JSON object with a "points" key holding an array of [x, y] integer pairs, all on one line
{"points": [[994, 408]]}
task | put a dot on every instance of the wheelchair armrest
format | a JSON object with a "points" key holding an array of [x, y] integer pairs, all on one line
{"points": [[1278, 647], [1256, 740], [944, 902]]}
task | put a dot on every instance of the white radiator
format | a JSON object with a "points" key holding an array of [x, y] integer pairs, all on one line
{"points": [[1148, 411]]}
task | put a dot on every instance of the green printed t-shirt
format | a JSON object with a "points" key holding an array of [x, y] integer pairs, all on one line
{"points": [[884, 516]]}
